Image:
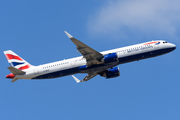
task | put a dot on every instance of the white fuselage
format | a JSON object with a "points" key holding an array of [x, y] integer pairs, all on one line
{"points": [[78, 64]]}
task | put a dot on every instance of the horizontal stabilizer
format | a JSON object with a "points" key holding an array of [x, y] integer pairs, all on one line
{"points": [[14, 80], [16, 71]]}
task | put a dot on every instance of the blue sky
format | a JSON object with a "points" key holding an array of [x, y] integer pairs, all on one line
{"points": [[146, 90]]}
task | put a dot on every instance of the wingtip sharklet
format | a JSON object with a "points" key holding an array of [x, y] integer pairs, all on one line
{"points": [[76, 79], [69, 36]]}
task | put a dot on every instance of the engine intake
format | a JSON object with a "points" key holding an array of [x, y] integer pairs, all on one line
{"points": [[111, 57], [111, 73]]}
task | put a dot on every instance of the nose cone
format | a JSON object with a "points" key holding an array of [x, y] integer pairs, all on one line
{"points": [[172, 46]]}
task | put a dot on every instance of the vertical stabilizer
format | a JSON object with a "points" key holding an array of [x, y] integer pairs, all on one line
{"points": [[16, 61]]}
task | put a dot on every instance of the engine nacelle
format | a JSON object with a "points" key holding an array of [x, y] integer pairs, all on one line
{"points": [[111, 57], [111, 73]]}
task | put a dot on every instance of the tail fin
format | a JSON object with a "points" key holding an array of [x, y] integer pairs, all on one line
{"points": [[16, 61]]}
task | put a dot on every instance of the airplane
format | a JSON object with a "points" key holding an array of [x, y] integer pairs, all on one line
{"points": [[91, 62]]}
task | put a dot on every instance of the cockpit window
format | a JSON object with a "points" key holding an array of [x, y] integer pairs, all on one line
{"points": [[165, 42]]}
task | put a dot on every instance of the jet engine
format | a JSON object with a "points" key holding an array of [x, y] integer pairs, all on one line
{"points": [[111, 73], [109, 58]]}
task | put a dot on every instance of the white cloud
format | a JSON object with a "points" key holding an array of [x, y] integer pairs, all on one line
{"points": [[129, 19]]}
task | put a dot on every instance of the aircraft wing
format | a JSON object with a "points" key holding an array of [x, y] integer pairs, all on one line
{"points": [[88, 77], [92, 56]]}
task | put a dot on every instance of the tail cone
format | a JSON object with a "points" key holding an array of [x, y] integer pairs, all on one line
{"points": [[10, 76]]}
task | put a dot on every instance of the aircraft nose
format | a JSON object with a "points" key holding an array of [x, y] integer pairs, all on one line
{"points": [[173, 46]]}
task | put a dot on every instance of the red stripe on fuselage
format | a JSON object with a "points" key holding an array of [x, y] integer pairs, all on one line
{"points": [[150, 43], [10, 57], [24, 67]]}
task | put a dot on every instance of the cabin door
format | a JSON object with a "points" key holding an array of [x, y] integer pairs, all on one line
{"points": [[36, 72], [73, 63]]}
